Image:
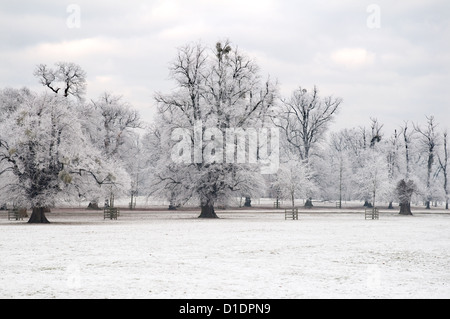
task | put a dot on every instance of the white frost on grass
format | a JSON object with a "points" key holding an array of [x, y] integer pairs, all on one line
{"points": [[241, 255]]}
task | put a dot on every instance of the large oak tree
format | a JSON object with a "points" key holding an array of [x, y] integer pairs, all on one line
{"points": [[216, 89]]}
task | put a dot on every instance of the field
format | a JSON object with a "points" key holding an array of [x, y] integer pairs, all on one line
{"points": [[245, 254]]}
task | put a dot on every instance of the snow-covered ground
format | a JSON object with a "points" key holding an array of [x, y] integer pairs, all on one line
{"points": [[244, 254]]}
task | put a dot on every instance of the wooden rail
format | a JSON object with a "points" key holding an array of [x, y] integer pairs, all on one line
{"points": [[110, 212], [291, 213], [16, 214], [371, 213]]}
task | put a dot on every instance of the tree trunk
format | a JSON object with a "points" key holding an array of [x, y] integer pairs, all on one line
{"points": [[292, 199], [277, 202], [367, 204], [405, 209], [405, 189], [207, 211], [38, 216], [93, 205]]}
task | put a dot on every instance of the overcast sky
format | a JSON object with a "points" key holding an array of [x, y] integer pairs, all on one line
{"points": [[388, 60]]}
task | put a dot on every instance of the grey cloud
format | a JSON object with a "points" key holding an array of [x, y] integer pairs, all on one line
{"points": [[297, 42]]}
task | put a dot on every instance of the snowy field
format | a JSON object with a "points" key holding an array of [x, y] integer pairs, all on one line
{"points": [[244, 254]]}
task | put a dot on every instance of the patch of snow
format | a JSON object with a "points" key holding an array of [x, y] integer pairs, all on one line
{"points": [[244, 254]]}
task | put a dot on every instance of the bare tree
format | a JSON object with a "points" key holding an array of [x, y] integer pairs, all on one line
{"points": [[429, 142], [406, 187], [188, 72], [66, 78], [305, 117], [443, 163], [393, 161], [407, 139]]}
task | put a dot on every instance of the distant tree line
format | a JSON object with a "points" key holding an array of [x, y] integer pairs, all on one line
{"points": [[57, 145]]}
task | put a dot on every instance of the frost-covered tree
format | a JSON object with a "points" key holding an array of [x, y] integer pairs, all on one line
{"points": [[393, 160], [341, 151], [372, 179], [10, 99], [294, 181], [216, 89], [134, 158], [303, 119], [111, 124], [348, 151], [108, 121], [404, 153], [153, 152], [47, 158]]}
